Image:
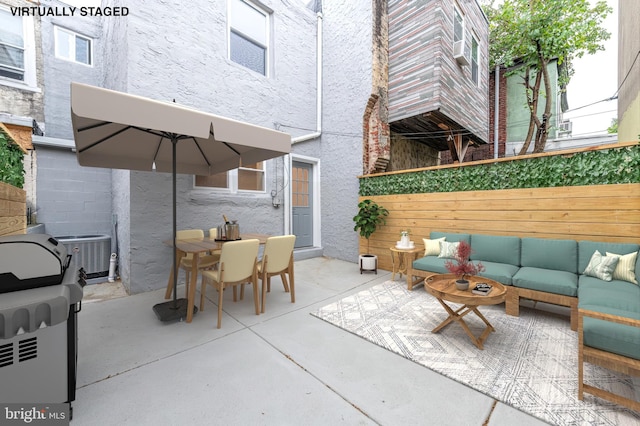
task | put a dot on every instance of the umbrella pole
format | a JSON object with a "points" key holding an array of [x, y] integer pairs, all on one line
{"points": [[174, 142], [177, 308]]}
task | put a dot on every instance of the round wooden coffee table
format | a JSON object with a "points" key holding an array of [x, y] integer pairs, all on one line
{"points": [[443, 288]]}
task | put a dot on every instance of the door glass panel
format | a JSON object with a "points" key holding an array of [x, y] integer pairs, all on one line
{"points": [[300, 187]]}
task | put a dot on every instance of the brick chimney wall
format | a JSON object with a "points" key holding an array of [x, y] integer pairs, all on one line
{"points": [[375, 123]]}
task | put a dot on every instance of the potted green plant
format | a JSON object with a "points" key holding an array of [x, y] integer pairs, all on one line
{"points": [[369, 216]]}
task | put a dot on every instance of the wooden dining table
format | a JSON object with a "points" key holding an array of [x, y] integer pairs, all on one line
{"points": [[196, 247]]}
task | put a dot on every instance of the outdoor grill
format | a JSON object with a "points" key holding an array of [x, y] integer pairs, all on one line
{"points": [[40, 297]]}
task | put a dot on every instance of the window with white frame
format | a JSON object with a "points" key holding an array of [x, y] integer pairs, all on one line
{"points": [[17, 49], [458, 24], [250, 177], [249, 35], [474, 59], [73, 47]]}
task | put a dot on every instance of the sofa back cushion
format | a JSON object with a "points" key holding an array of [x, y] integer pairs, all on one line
{"points": [[495, 249], [587, 248], [559, 255], [450, 236]]}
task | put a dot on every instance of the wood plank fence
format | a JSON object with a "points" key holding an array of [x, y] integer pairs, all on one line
{"points": [[597, 212], [13, 209]]}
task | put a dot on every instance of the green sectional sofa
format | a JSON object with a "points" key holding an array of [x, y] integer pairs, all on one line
{"points": [[605, 311], [533, 268]]}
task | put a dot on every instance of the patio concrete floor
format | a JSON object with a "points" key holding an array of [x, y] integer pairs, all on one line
{"points": [[283, 367]]}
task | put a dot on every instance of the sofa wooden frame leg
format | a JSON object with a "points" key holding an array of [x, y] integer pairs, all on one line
{"points": [[512, 302], [416, 277]]}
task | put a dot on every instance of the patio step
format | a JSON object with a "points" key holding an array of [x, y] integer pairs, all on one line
{"points": [[307, 253]]}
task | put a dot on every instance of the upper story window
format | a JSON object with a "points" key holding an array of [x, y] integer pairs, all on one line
{"points": [[250, 177], [458, 24], [73, 47], [249, 35], [474, 59], [17, 50]]}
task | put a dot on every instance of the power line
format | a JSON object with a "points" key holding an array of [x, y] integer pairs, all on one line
{"points": [[591, 104], [628, 72], [615, 95]]}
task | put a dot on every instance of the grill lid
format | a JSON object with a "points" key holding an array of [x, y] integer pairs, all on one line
{"points": [[31, 261]]}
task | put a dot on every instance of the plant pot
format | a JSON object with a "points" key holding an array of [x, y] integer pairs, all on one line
{"points": [[368, 262], [462, 284]]}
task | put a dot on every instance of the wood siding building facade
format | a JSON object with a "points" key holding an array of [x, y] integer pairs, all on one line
{"points": [[435, 93]]}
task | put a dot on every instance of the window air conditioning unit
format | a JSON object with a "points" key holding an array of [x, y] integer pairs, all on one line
{"points": [[565, 126], [458, 53]]}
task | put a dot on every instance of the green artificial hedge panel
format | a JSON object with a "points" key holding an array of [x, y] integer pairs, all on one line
{"points": [[11, 162], [608, 166]]}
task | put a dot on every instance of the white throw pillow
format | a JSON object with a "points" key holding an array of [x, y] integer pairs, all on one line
{"points": [[626, 268], [601, 266], [432, 247], [448, 250]]}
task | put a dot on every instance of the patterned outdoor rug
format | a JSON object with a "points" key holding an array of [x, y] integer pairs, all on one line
{"points": [[529, 363]]}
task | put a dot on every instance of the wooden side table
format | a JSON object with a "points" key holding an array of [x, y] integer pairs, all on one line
{"points": [[400, 259]]}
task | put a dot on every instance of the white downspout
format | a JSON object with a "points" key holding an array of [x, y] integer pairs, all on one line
{"points": [[496, 112], [318, 131]]}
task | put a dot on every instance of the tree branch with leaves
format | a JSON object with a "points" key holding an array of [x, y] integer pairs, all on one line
{"points": [[526, 35]]}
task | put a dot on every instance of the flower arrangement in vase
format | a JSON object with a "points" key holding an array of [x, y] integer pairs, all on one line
{"points": [[404, 238], [463, 267]]}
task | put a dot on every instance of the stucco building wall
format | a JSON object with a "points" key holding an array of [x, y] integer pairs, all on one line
{"points": [[72, 200], [155, 52], [347, 86], [202, 77]]}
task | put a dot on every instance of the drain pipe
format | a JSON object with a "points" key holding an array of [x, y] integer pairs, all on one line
{"points": [[318, 131], [496, 111]]}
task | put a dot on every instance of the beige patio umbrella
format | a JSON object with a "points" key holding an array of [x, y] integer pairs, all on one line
{"points": [[122, 131]]}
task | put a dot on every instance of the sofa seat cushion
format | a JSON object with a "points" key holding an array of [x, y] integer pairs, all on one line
{"points": [[547, 280], [497, 249], [611, 337], [614, 297], [433, 264], [501, 272]]}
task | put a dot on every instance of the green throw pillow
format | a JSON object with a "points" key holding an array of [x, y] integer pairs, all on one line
{"points": [[626, 268], [601, 266], [448, 250]]}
